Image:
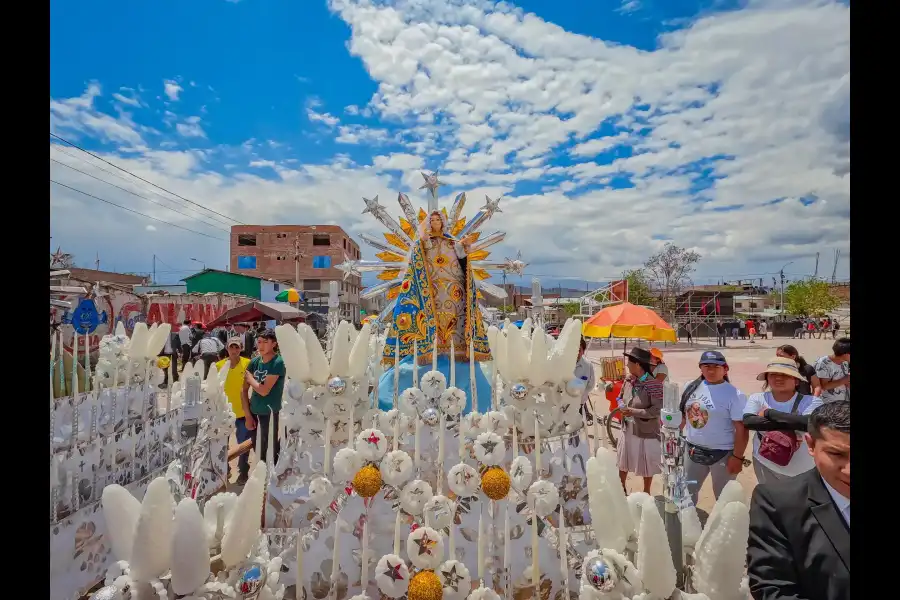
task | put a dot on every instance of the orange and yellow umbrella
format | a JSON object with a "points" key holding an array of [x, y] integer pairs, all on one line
{"points": [[627, 320]]}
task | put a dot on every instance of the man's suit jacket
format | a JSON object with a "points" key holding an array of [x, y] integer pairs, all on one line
{"points": [[799, 545]]}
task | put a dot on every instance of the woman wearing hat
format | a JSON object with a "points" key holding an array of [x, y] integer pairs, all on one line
{"points": [[639, 449], [779, 417]]}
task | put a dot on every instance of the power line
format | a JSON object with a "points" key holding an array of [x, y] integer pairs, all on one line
{"points": [[74, 145], [59, 148], [135, 194], [136, 212]]}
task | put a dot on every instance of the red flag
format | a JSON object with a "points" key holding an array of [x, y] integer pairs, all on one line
{"points": [[703, 308], [718, 308]]}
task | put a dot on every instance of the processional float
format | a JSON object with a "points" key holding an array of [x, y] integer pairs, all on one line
{"points": [[441, 459]]}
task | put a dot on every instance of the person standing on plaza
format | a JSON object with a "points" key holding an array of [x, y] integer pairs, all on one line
{"points": [[742, 325], [169, 351], [248, 340], [712, 421], [660, 370], [639, 449], [764, 329], [834, 372], [184, 339], [208, 350], [265, 376], [799, 542], [776, 415], [835, 329], [721, 334], [810, 385], [234, 383], [584, 371]]}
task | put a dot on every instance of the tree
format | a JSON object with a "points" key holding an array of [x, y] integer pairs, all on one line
{"points": [[639, 291], [669, 270], [810, 298], [572, 308]]}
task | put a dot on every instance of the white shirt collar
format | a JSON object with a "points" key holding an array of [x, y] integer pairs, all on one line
{"points": [[842, 503]]}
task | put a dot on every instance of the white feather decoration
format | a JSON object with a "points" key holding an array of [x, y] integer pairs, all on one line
{"points": [[290, 351], [732, 492], [609, 469], [190, 552], [599, 501], [691, 528], [359, 355], [242, 527], [654, 560], [121, 511], [318, 362], [139, 338], [340, 351], [151, 553], [538, 372], [516, 354], [158, 338], [719, 561]]}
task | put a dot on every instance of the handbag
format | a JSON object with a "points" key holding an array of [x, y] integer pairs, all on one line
{"points": [[778, 447], [705, 456]]}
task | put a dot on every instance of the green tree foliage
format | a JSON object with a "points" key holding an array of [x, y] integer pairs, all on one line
{"points": [[639, 291], [669, 270], [810, 298], [572, 308]]}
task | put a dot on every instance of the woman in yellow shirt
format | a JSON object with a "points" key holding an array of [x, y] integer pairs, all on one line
{"points": [[234, 382]]}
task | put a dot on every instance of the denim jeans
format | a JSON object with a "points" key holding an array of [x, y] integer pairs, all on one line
{"points": [[241, 434]]}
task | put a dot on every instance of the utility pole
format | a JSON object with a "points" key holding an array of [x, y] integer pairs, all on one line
{"points": [[97, 262], [816, 273], [297, 256], [154, 270], [781, 273]]}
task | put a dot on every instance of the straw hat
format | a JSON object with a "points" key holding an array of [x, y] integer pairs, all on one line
{"points": [[782, 366]]}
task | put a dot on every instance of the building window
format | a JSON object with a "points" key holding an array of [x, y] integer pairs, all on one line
{"points": [[277, 287], [321, 262], [246, 262], [247, 240], [312, 284], [281, 235], [321, 239]]}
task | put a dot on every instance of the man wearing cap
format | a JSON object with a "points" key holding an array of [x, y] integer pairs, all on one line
{"points": [[265, 377], [247, 339], [234, 383], [712, 420], [779, 416]]}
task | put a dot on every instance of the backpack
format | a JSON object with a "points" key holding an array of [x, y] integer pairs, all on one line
{"points": [[779, 447]]}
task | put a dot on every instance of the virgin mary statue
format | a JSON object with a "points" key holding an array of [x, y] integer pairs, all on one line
{"points": [[437, 303]]}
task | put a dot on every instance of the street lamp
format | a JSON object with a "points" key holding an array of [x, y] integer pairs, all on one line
{"points": [[199, 261], [781, 273]]}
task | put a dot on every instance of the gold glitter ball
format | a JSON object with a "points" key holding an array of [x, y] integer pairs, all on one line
{"points": [[495, 483], [163, 362], [425, 585], [367, 481]]}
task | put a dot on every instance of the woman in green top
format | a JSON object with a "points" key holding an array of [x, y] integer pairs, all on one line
{"points": [[265, 377]]}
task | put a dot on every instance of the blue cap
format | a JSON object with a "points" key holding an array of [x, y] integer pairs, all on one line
{"points": [[712, 357]]}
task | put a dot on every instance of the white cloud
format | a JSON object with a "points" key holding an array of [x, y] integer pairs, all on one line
{"points": [[150, 228], [758, 96], [172, 89], [190, 128]]}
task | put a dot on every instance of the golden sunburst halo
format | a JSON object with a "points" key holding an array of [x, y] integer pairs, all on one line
{"points": [[389, 275], [394, 240], [389, 257]]}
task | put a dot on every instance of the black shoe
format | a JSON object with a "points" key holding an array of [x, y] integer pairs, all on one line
{"points": [[242, 479]]}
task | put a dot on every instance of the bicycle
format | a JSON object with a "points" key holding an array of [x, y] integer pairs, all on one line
{"points": [[613, 423]]}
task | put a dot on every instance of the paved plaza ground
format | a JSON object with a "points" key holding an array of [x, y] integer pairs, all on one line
{"points": [[745, 361]]}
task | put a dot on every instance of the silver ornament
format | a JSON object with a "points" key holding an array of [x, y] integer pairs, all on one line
{"points": [[109, 592], [518, 391], [600, 574], [250, 581], [336, 385], [430, 416]]}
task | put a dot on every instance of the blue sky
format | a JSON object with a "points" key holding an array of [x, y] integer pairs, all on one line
{"points": [[609, 129]]}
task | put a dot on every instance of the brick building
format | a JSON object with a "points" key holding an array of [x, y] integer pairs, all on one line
{"points": [[268, 251]]}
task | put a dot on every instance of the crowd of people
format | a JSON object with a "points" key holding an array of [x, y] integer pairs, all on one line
{"points": [[797, 429]]}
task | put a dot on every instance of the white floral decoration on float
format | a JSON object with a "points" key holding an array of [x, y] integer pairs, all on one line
{"points": [[425, 548], [371, 445], [347, 462], [455, 578], [392, 576], [321, 492], [439, 512], [489, 449], [520, 473], [412, 400], [414, 496], [496, 421], [544, 497], [483, 593], [396, 468], [463, 480], [452, 401]]}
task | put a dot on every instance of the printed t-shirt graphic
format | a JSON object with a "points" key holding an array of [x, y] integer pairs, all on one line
{"points": [[710, 413]]}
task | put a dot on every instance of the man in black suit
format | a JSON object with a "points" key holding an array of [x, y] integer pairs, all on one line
{"points": [[799, 546]]}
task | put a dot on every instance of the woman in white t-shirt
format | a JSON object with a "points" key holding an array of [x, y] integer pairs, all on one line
{"points": [[778, 417]]}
